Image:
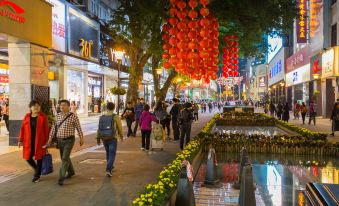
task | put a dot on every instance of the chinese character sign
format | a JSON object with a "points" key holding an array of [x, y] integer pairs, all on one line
{"points": [[302, 22], [58, 25]]}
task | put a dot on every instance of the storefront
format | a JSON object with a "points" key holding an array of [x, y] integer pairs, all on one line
{"points": [[276, 77], [329, 79], [316, 70], [78, 75], [95, 92], [298, 77], [25, 36]]}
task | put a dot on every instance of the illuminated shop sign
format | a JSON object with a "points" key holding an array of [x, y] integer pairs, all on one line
{"points": [[12, 11], [328, 63], [58, 25], [302, 22], [86, 48], [262, 82], [276, 69], [93, 81], [300, 75]]}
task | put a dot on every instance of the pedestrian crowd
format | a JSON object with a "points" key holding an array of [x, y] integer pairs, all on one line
{"points": [[37, 133]]}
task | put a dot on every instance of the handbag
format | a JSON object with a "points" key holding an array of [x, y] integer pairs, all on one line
{"points": [[47, 164], [56, 127]]}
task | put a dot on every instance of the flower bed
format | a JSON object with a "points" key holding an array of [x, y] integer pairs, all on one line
{"points": [[159, 192], [244, 119], [280, 144]]}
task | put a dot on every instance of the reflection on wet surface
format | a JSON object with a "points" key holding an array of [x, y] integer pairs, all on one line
{"points": [[250, 130], [279, 180]]}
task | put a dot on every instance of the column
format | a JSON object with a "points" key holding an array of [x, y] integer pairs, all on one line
{"points": [[28, 65]]}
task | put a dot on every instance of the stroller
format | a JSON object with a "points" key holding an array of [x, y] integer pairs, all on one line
{"points": [[157, 137]]}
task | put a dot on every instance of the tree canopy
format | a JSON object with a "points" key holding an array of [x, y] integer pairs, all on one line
{"points": [[136, 26]]}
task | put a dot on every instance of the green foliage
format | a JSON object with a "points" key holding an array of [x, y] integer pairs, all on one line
{"points": [[159, 192], [118, 91]]}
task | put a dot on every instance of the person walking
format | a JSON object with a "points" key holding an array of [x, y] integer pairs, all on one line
{"points": [[174, 112], [33, 137], [286, 113], [129, 116], [186, 119], [335, 117], [312, 112], [5, 116], [109, 129], [272, 109], [139, 107], [210, 107], [145, 122], [303, 110], [196, 112], [279, 110], [167, 121], [64, 131]]}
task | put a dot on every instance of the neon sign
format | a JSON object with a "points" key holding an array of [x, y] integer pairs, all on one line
{"points": [[302, 22], [14, 12]]}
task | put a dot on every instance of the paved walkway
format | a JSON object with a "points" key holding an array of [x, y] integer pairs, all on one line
{"points": [[134, 169]]}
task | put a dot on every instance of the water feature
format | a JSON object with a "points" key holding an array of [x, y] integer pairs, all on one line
{"points": [[250, 130], [280, 180]]}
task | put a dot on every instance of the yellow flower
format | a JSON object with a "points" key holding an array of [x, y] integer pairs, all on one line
{"points": [[171, 185], [150, 200], [160, 183], [141, 203]]}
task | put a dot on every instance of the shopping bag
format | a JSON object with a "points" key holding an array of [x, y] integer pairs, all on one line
{"points": [[47, 164]]}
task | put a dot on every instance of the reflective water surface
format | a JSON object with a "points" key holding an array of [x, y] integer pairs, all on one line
{"points": [[280, 180], [250, 130]]}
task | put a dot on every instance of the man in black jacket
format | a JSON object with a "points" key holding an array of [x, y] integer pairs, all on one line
{"points": [[186, 120], [175, 110]]}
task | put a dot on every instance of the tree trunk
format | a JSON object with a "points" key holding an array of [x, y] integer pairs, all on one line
{"points": [[161, 92], [135, 79]]}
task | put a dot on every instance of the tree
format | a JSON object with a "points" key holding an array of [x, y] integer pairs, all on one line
{"points": [[160, 92], [132, 28]]}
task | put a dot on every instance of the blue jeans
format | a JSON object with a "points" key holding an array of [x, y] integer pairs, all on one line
{"points": [[111, 150]]}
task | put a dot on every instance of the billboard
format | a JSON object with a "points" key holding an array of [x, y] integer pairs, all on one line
{"points": [[58, 25], [275, 42], [316, 25], [83, 36]]}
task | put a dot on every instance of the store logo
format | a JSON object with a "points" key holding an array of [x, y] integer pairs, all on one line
{"points": [[15, 12], [86, 48]]}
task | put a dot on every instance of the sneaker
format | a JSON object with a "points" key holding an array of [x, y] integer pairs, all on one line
{"points": [[143, 149], [109, 174], [61, 182], [70, 175], [36, 179]]}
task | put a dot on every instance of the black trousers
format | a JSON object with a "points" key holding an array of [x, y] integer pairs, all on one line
{"points": [[303, 116], [129, 126], [6, 119], [35, 165], [312, 117], [145, 139], [196, 116], [136, 127], [176, 131], [166, 125], [185, 133]]}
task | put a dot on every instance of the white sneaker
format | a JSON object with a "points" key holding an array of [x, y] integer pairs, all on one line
{"points": [[143, 149], [109, 174]]}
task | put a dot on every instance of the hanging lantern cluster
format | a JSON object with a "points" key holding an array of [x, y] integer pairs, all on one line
{"points": [[191, 40], [230, 57]]}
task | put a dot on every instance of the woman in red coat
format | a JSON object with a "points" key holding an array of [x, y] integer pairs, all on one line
{"points": [[33, 137]]}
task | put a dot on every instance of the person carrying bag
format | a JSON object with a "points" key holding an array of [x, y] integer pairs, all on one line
{"points": [[109, 126]]}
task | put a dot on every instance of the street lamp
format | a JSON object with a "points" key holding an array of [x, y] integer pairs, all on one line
{"points": [[119, 55]]}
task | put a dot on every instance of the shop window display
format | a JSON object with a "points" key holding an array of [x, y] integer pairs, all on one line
{"points": [[76, 89]]}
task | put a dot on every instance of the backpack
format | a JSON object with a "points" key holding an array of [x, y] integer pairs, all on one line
{"points": [[157, 132], [160, 114], [185, 116], [106, 128]]}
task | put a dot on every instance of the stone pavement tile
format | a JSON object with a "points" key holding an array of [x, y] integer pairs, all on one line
{"points": [[90, 186]]}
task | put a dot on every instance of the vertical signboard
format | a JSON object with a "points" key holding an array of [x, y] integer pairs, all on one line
{"points": [[58, 25], [302, 22], [316, 25]]}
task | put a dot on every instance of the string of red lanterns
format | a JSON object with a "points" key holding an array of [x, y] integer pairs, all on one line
{"points": [[230, 57], [191, 41]]}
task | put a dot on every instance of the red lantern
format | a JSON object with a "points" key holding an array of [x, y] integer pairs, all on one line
{"points": [[167, 65], [181, 5], [173, 21], [193, 14], [204, 2], [204, 12]]}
